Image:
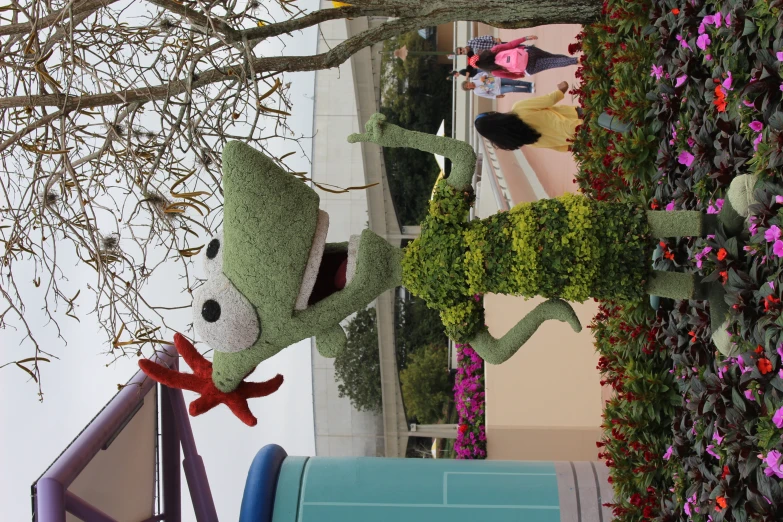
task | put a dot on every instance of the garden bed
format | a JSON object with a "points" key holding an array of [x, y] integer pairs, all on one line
{"points": [[691, 434]]}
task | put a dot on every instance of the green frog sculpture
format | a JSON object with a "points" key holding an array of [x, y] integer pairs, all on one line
{"points": [[273, 280]]}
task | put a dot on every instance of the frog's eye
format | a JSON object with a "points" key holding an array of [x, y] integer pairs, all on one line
{"points": [[213, 255], [223, 317]]}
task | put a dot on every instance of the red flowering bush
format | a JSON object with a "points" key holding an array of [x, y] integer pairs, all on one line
{"points": [[637, 420], [469, 398]]}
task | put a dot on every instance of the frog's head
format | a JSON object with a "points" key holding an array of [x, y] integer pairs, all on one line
{"points": [[272, 278]]}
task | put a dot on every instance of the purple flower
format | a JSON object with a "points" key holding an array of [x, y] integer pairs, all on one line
{"points": [[727, 82], [772, 460], [749, 394], [703, 41], [748, 103], [781, 86], [777, 248], [708, 20], [670, 206], [708, 57], [702, 29], [772, 234], [779, 56], [716, 208], [716, 437], [711, 450], [657, 71], [680, 80], [756, 141], [779, 200], [718, 21], [756, 125], [728, 20], [777, 419], [691, 142], [685, 158], [668, 454]]}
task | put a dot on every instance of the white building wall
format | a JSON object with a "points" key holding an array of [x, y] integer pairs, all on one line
{"points": [[340, 430]]}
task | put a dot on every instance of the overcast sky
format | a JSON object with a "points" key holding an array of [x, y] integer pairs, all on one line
{"points": [[33, 433]]}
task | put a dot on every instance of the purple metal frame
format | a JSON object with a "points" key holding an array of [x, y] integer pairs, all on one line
{"points": [[51, 496]]}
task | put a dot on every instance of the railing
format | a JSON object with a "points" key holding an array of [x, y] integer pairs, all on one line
{"points": [[51, 498], [495, 176]]}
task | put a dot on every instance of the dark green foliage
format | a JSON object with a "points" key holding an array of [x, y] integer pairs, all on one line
{"points": [[415, 96], [357, 368], [425, 384], [417, 326]]}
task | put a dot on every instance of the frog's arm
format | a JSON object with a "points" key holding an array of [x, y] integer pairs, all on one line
{"points": [[497, 351], [331, 342], [462, 156]]}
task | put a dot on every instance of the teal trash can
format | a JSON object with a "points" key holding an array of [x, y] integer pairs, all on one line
{"points": [[361, 489]]}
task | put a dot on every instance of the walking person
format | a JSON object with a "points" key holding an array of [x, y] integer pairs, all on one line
{"points": [[487, 86], [483, 43], [537, 122], [513, 60]]}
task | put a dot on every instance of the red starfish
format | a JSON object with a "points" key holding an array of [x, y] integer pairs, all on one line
{"points": [[200, 381]]}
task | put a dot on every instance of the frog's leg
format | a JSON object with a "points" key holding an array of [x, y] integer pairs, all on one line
{"points": [[497, 351]]}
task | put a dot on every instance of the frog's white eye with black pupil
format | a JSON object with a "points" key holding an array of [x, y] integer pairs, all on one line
{"points": [[223, 317], [213, 255]]}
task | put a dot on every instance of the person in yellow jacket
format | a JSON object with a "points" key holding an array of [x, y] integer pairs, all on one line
{"points": [[537, 122]]}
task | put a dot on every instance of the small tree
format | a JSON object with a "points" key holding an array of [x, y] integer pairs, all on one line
{"points": [[425, 384], [357, 369], [417, 327]]}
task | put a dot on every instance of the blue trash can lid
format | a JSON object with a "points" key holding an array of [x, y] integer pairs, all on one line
{"points": [[258, 500]]}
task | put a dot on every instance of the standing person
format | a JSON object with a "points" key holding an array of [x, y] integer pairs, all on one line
{"points": [[513, 60], [535, 122], [487, 86]]}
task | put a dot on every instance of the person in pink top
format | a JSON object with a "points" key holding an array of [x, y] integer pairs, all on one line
{"points": [[514, 60]]}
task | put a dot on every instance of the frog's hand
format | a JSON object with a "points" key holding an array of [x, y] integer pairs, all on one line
{"points": [[462, 156], [331, 342], [497, 351]]}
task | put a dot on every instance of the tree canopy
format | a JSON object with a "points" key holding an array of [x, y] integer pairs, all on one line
{"points": [[357, 368], [425, 384]]}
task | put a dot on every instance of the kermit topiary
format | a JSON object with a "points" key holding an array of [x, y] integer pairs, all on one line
{"points": [[274, 281]]}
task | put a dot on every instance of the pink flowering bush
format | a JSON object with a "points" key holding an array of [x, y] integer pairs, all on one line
{"points": [[469, 398]]}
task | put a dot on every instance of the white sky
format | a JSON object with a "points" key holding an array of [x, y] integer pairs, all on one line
{"points": [[77, 386]]}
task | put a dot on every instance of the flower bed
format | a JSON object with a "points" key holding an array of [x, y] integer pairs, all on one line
{"points": [[707, 108], [469, 398]]}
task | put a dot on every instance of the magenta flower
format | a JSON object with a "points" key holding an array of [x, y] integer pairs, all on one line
{"points": [[777, 419], [711, 450], [708, 57], [668, 454], [728, 20], [772, 234], [777, 248], [685, 158], [779, 56], [756, 126], [773, 462], [758, 139], [716, 208], [670, 206], [718, 21], [657, 71], [779, 199], [747, 103], [716, 437], [749, 394], [680, 80], [727, 82], [702, 28], [703, 41], [708, 20]]}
